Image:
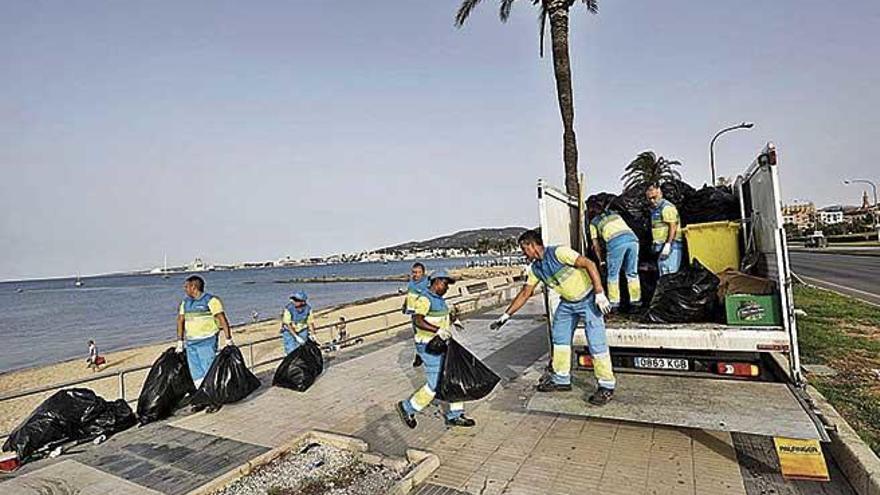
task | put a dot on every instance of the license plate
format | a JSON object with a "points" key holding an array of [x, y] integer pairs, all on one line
{"points": [[661, 363]]}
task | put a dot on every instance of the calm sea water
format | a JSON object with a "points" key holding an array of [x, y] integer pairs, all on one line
{"points": [[46, 321]]}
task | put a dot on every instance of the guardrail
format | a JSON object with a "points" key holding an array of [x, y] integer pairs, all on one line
{"points": [[501, 292]]}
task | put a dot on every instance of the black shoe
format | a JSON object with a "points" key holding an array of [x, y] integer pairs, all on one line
{"points": [[408, 420], [417, 361], [547, 385], [601, 397], [461, 421]]}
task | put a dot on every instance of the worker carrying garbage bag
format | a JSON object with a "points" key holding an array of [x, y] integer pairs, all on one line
{"points": [[665, 231], [578, 283], [297, 322], [200, 318], [621, 253], [433, 319]]}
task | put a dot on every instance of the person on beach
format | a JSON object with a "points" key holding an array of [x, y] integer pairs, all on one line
{"points": [[341, 331], [94, 360], [418, 283], [199, 321], [432, 317], [297, 322], [576, 279]]}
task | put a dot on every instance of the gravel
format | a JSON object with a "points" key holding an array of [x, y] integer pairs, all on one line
{"points": [[316, 469]]}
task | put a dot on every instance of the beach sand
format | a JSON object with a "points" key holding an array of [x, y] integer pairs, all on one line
{"points": [[12, 412]]}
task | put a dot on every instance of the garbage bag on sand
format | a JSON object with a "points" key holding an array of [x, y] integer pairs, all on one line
{"points": [[68, 415], [300, 368], [228, 380], [167, 384], [464, 377], [709, 204], [684, 297]]}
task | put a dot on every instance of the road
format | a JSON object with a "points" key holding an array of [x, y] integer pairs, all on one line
{"points": [[857, 276]]}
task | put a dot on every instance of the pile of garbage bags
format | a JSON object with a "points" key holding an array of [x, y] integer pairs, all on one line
{"points": [[464, 377], [687, 296], [166, 385], [299, 370], [69, 415], [228, 380]]}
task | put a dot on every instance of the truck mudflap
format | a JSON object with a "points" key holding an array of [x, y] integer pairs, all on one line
{"points": [[760, 408]]}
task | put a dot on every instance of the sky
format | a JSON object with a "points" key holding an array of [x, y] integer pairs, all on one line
{"points": [[239, 131]]}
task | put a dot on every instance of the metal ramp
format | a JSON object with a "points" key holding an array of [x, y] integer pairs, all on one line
{"points": [[758, 408]]}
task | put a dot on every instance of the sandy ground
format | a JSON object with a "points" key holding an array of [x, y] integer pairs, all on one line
{"points": [[14, 411]]}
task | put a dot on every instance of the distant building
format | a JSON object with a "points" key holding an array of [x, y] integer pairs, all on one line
{"points": [[831, 215], [803, 215]]}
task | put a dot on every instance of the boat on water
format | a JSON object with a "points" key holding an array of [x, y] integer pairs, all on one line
{"points": [[78, 282]]}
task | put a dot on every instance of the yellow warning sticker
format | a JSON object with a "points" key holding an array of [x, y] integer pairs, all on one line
{"points": [[801, 459]]}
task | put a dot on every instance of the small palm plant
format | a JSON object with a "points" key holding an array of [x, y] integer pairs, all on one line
{"points": [[649, 169]]}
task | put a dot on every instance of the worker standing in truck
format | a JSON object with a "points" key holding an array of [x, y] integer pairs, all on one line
{"points": [[579, 285], [665, 231], [622, 250]]}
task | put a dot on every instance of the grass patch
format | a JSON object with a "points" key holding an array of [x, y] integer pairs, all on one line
{"points": [[845, 334]]}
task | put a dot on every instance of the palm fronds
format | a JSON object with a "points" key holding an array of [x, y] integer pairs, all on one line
{"points": [[649, 169]]}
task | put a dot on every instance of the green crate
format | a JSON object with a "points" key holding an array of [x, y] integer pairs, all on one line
{"points": [[752, 310]]}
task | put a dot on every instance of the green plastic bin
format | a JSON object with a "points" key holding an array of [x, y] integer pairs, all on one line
{"points": [[752, 310]]}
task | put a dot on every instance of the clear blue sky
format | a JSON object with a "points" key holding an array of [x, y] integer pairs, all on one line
{"points": [[234, 130]]}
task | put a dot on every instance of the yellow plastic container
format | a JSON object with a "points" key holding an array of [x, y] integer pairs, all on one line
{"points": [[715, 244]]}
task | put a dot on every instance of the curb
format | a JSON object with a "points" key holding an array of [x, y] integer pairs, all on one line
{"points": [[857, 461]]}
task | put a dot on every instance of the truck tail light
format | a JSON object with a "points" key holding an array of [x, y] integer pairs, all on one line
{"points": [[737, 369], [585, 360]]}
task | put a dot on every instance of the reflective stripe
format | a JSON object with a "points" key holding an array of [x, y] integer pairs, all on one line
{"points": [[422, 398], [561, 360], [572, 284], [663, 213], [610, 225], [198, 315], [435, 311]]}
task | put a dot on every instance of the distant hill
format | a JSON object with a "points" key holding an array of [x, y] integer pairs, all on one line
{"points": [[466, 239]]}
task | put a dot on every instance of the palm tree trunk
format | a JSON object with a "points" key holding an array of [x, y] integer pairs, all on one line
{"points": [[557, 10]]}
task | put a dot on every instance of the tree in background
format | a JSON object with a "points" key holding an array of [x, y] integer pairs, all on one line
{"points": [[649, 169]]}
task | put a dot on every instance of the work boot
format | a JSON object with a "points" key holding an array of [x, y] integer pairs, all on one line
{"points": [[461, 421], [601, 397], [546, 384], [407, 419], [417, 361]]}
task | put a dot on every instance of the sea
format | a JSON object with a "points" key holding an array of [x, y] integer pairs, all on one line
{"points": [[47, 321]]}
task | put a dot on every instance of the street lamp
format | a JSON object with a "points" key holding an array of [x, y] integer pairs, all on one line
{"points": [[741, 125], [874, 206]]}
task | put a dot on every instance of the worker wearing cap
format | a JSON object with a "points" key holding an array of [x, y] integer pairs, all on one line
{"points": [[297, 322], [199, 320], [665, 231], [418, 283], [432, 317], [622, 250], [576, 280]]}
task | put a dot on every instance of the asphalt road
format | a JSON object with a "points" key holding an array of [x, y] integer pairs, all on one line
{"points": [[857, 276]]}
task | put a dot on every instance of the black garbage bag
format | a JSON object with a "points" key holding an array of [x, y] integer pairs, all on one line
{"points": [[228, 380], [300, 368], [68, 415], [436, 345], [709, 204], [167, 384], [117, 416], [685, 297], [464, 377]]}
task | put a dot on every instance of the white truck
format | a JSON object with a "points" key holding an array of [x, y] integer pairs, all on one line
{"points": [[702, 375]]}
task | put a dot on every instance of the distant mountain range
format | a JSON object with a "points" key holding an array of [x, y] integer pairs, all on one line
{"points": [[466, 239]]}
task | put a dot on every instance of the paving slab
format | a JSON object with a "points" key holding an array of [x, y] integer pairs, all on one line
{"points": [[72, 477]]}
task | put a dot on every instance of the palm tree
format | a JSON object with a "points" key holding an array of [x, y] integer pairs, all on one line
{"points": [[649, 169], [557, 12]]}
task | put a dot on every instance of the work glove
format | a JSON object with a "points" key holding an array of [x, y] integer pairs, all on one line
{"points": [[179, 347], [444, 333], [229, 342], [664, 253], [495, 325], [603, 304]]}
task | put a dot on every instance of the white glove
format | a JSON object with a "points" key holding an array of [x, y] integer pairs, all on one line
{"points": [[495, 325], [229, 342], [603, 304], [664, 253], [444, 333], [179, 347]]}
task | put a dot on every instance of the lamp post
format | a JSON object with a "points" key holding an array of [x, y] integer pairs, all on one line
{"points": [[874, 206], [741, 125]]}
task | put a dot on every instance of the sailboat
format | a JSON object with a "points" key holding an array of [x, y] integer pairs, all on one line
{"points": [[165, 268], [78, 282]]}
